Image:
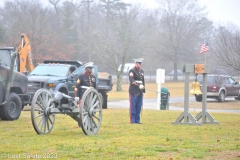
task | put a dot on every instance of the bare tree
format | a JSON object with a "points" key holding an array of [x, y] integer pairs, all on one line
{"points": [[181, 23], [25, 16], [226, 48], [55, 4], [123, 42], [29, 17], [110, 35]]}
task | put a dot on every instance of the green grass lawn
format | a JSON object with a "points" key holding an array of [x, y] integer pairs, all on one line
{"points": [[156, 138]]}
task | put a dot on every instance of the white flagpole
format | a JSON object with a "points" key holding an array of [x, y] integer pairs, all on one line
{"points": [[205, 58]]}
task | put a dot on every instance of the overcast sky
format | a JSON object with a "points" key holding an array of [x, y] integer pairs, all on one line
{"points": [[223, 11], [220, 11]]}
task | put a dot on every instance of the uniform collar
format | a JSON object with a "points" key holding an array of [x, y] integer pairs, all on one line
{"points": [[87, 73], [137, 68]]}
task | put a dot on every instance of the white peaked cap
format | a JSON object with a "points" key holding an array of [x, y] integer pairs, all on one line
{"points": [[89, 64], [140, 60]]}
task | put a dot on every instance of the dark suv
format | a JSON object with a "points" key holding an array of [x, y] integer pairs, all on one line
{"points": [[219, 87]]}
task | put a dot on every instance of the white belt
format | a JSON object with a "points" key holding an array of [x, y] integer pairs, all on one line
{"points": [[85, 87]]}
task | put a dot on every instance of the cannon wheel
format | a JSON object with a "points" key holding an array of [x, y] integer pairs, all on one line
{"points": [[41, 104], [91, 112]]}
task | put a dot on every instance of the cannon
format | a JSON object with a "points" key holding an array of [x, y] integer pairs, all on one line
{"points": [[45, 105]]}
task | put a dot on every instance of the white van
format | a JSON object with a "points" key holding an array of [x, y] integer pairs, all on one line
{"points": [[127, 67]]}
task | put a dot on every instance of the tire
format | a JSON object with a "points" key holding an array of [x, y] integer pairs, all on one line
{"points": [[198, 98], [238, 97], [2, 92], [221, 97], [12, 109], [104, 103]]}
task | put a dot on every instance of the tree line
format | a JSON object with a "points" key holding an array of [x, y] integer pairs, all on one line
{"points": [[111, 32]]}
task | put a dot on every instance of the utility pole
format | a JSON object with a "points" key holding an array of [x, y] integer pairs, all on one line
{"points": [[107, 19]]}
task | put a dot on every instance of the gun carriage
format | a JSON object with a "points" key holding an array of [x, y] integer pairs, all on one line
{"points": [[45, 105]]}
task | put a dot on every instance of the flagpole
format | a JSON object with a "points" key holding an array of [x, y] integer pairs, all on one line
{"points": [[205, 58], [204, 42]]}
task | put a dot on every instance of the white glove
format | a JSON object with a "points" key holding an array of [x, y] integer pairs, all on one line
{"points": [[141, 86], [139, 82], [76, 99]]}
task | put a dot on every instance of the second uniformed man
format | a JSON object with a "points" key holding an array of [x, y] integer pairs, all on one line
{"points": [[136, 91]]}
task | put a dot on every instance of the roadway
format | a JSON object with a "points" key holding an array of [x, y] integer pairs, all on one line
{"points": [[152, 104]]}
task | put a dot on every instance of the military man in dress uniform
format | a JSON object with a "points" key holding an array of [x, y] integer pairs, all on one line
{"points": [[85, 80], [136, 91]]}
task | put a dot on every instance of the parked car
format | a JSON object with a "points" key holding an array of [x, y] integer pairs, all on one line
{"points": [[219, 87], [179, 73]]}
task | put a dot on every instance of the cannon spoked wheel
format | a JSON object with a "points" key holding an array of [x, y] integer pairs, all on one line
{"points": [[91, 111], [41, 104]]}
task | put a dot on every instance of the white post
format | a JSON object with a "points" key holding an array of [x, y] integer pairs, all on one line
{"points": [[160, 78]]}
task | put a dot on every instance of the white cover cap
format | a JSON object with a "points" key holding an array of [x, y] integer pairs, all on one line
{"points": [[89, 64], [138, 60]]}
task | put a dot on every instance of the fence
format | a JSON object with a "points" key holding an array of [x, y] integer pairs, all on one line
{"points": [[150, 78]]}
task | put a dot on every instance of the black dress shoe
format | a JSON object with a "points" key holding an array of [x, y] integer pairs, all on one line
{"points": [[79, 124]]}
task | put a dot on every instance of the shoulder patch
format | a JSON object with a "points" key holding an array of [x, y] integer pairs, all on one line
{"points": [[131, 74]]}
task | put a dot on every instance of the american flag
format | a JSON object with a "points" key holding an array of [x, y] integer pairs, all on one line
{"points": [[204, 47]]}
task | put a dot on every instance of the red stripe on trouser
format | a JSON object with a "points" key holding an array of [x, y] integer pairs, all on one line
{"points": [[130, 107]]}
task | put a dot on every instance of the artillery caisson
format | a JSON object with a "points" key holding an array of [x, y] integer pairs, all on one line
{"points": [[45, 105]]}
